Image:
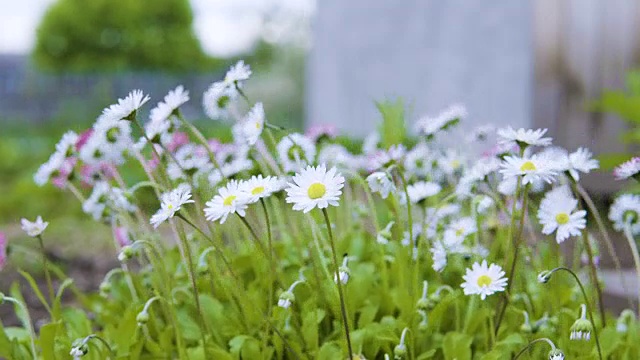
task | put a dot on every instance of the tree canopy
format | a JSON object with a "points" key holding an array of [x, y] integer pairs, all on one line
{"points": [[111, 35]]}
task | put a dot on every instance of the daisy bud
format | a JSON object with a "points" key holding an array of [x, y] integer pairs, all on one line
{"points": [[126, 253], [286, 299], [556, 354], [526, 326], [79, 348], [424, 324], [343, 272], [142, 318], [423, 303], [385, 234], [105, 289], [400, 351], [581, 328], [544, 277], [626, 317]]}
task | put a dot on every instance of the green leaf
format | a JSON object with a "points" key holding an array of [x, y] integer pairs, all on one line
{"points": [[457, 346], [427, 354], [47, 340], [610, 339], [392, 129], [310, 328], [36, 290], [244, 347], [330, 351]]}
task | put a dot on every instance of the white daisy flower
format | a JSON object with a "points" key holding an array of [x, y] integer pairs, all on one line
{"points": [[156, 130], [296, 151], [484, 280], [49, 169], [338, 156], [557, 213], [237, 74], [230, 200], [96, 204], [581, 160], [170, 203], [119, 199], [67, 144], [383, 159], [422, 190], [315, 187], [628, 169], [35, 228], [217, 100], [439, 256], [451, 162], [172, 101], [429, 126], [457, 231], [126, 107], [380, 182], [626, 209], [253, 124], [523, 137], [418, 161], [531, 169], [258, 187]]}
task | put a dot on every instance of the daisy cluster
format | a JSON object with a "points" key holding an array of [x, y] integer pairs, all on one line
{"points": [[441, 207]]}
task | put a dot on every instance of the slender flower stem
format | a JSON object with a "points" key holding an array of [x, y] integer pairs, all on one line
{"points": [[516, 245], [45, 265], [634, 252], [586, 301], [553, 346], [27, 318], [343, 307], [203, 141], [593, 209], [272, 264], [253, 234]]}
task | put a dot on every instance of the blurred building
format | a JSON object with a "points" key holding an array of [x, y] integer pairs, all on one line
{"points": [[523, 63]]}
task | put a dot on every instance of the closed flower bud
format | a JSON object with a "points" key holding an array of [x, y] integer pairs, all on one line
{"points": [[126, 253], [105, 288], [399, 352], [556, 354], [142, 318], [286, 299], [544, 277]]}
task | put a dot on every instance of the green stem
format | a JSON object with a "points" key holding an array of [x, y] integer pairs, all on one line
{"points": [[634, 252], [343, 307], [45, 265], [553, 346], [586, 300], [253, 234], [272, 264]]}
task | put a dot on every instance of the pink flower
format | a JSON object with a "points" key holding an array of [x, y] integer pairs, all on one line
{"points": [[89, 174], [3, 250], [83, 138], [122, 236], [63, 173], [316, 132], [177, 139]]}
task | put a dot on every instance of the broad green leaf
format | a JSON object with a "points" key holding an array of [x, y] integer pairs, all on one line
{"points": [[47, 340], [457, 346], [330, 351], [392, 128]]}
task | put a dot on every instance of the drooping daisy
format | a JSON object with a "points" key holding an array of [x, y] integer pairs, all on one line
{"points": [[217, 100], [315, 187], [258, 187], [35, 228], [229, 200], [170, 203], [484, 280], [531, 169], [237, 74], [557, 213], [626, 209], [523, 137], [252, 124], [421, 190], [296, 151], [628, 169], [380, 182], [429, 126], [581, 160], [127, 107]]}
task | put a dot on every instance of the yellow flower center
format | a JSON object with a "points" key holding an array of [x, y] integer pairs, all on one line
{"points": [[170, 206], [562, 218], [316, 190], [229, 200], [459, 232], [257, 125], [455, 164], [484, 280], [258, 190], [528, 166]]}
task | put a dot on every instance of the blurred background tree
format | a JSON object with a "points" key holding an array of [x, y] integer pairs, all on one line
{"points": [[113, 35]]}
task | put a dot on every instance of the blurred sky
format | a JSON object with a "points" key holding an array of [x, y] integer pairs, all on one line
{"points": [[225, 27]]}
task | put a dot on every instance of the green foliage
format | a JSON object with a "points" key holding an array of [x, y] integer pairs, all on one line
{"points": [[392, 129], [625, 104], [110, 35]]}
